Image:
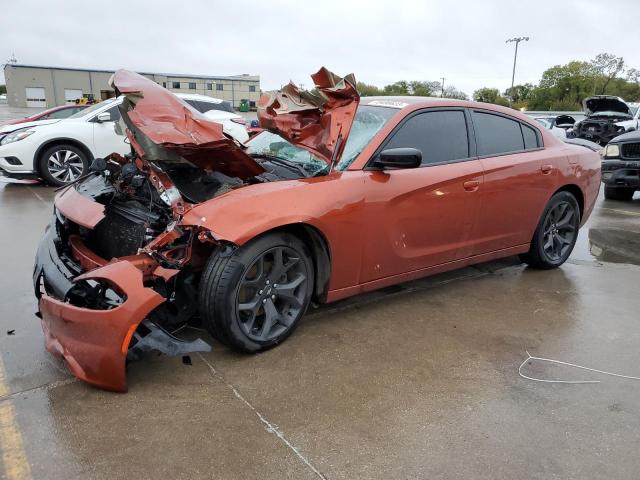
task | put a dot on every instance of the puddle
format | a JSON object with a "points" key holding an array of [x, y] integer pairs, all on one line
{"points": [[610, 245]]}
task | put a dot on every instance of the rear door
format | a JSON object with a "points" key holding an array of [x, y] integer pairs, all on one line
{"points": [[421, 217], [516, 180]]}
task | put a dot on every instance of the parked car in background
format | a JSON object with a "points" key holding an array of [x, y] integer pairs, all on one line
{"points": [[55, 113], [339, 195], [60, 151], [621, 166], [558, 124], [607, 117]]}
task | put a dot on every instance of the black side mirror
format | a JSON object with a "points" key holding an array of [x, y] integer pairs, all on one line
{"points": [[399, 158]]}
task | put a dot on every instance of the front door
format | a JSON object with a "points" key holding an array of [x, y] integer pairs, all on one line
{"points": [[422, 217]]}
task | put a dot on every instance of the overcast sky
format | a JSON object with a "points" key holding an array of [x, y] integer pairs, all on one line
{"points": [[379, 41]]}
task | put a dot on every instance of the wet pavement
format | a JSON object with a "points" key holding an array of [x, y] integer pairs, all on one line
{"points": [[418, 381]]}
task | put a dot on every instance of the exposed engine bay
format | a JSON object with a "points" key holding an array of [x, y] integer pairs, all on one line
{"points": [[607, 117]]}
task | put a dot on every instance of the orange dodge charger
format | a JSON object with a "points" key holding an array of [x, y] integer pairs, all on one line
{"points": [[339, 195]]}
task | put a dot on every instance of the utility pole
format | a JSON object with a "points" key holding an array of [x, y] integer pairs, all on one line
{"points": [[515, 40], [442, 89]]}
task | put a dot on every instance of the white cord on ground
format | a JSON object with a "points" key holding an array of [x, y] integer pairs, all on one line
{"points": [[530, 357]]}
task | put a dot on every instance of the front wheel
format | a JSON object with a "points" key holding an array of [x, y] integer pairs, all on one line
{"points": [[62, 164], [253, 298], [618, 193], [556, 234]]}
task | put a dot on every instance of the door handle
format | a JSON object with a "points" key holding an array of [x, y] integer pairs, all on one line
{"points": [[546, 169], [471, 185]]}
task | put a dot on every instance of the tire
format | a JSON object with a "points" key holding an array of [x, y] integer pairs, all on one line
{"points": [[556, 233], [618, 193], [62, 164], [252, 298]]}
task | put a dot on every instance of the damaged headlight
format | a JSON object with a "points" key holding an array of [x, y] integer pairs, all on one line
{"points": [[16, 136], [611, 151]]}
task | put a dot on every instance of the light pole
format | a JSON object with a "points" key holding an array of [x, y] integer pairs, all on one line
{"points": [[516, 40]]}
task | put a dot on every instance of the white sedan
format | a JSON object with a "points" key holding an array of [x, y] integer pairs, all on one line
{"points": [[60, 151]]}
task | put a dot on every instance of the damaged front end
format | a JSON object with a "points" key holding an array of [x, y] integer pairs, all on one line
{"points": [[607, 117], [119, 265]]}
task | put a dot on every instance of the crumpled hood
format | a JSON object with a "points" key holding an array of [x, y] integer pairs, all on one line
{"points": [[161, 127], [318, 122], [605, 103], [16, 126]]}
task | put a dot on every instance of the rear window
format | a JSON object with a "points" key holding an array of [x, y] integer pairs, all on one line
{"points": [[530, 137], [496, 134]]}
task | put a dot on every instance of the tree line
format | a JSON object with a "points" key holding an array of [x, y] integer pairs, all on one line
{"points": [[561, 87], [417, 88]]}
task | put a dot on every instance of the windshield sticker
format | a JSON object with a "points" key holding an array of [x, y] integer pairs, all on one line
{"points": [[388, 103]]}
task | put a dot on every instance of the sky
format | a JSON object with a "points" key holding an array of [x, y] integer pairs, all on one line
{"points": [[379, 41]]}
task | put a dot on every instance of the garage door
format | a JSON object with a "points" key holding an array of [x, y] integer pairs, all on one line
{"points": [[36, 97], [70, 95]]}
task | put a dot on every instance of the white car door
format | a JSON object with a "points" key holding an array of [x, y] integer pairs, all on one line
{"points": [[105, 138]]}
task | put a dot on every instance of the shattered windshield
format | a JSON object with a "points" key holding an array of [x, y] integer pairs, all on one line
{"points": [[368, 121]]}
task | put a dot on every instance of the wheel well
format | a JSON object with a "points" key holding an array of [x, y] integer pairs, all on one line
{"points": [[61, 141], [576, 192], [318, 245]]}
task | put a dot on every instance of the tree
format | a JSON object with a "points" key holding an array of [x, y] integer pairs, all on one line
{"points": [[607, 66], [486, 95], [3, 89], [366, 90], [453, 92], [398, 88], [519, 93]]}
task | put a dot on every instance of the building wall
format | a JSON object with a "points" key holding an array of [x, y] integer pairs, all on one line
{"points": [[56, 80]]}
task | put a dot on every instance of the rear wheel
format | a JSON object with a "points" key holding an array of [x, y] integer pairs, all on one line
{"points": [[556, 234], [618, 193], [253, 298], [63, 164]]}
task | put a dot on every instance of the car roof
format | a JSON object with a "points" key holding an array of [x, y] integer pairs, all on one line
{"points": [[413, 103]]}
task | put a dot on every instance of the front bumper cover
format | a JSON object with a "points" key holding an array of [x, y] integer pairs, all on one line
{"points": [[93, 342], [621, 173]]}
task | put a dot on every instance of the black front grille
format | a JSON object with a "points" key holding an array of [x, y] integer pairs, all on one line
{"points": [[631, 150]]}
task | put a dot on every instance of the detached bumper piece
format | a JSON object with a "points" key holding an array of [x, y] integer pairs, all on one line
{"points": [[90, 319]]}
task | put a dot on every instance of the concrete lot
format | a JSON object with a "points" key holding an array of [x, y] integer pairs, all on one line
{"points": [[414, 382]]}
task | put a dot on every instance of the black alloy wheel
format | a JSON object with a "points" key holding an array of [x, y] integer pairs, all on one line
{"points": [[556, 233], [271, 294]]}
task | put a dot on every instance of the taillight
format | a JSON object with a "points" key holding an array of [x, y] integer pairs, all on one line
{"points": [[240, 120]]}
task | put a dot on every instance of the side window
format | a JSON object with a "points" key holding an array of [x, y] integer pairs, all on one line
{"points": [[441, 136], [115, 113], [530, 137], [496, 134]]}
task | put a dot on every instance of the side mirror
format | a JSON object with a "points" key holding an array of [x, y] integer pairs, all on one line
{"points": [[104, 117], [399, 158]]}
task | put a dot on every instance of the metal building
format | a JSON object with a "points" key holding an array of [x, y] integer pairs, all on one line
{"points": [[41, 86]]}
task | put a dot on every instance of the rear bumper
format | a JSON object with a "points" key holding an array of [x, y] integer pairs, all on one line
{"points": [[94, 343]]}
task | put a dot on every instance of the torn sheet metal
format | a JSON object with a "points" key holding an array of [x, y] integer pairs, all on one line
{"points": [[161, 127], [318, 122]]}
